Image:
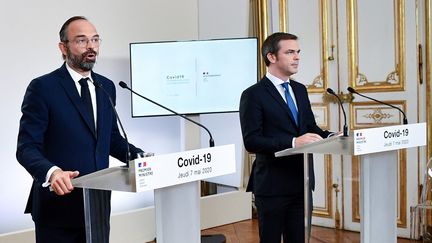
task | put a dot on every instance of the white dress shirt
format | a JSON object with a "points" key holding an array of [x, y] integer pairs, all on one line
{"points": [[277, 82]]}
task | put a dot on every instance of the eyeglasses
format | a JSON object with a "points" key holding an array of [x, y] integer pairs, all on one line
{"points": [[83, 41]]}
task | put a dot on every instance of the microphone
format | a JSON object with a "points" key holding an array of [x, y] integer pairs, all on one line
{"points": [[125, 86], [345, 127], [97, 84], [352, 90]]}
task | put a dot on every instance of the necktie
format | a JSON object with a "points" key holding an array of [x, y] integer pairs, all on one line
{"points": [[290, 102], [86, 99]]}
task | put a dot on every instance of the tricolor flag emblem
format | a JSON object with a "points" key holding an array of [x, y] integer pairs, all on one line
{"points": [[142, 164]]}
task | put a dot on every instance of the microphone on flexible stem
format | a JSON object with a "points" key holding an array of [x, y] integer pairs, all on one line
{"points": [[345, 127], [99, 85], [353, 91], [124, 86]]}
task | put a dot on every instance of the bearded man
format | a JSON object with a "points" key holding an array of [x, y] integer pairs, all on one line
{"points": [[68, 129]]}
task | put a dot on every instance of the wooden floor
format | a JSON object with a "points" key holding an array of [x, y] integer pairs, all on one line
{"points": [[247, 232]]}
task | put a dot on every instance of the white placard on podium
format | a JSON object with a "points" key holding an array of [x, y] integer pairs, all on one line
{"points": [[175, 180], [378, 150], [177, 168], [380, 139]]}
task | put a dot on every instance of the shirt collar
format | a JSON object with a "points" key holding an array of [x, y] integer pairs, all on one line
{"points": [[75, 75], [275, 80]]}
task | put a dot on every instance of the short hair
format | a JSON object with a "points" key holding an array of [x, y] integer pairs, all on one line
{"points": [[271, 44], [63, 30]]}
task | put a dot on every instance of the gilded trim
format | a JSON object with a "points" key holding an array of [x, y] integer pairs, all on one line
{"points": [[355, 125], [320, 83], [263, 23], [327, 211], [395, 80], [326, 108], [352, 42], [282, 16], [428, 61]]}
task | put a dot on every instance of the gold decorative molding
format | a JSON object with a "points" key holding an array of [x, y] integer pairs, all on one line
{"points": [[321, 113], [370, 114], [331, 57], [378, 115], [345, 98], [317, 83], [320, 82], [395, 80], [282, 16], [428, 65], [262, 33], [362, 79], [327, 210]]}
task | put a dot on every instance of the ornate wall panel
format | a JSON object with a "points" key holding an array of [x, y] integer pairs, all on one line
{"points": [[370, 114], [376, 52], [314, 41], [323, 202]]}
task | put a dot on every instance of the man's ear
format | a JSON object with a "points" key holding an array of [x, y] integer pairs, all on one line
{"points": [[63, 48], [271, 57]]}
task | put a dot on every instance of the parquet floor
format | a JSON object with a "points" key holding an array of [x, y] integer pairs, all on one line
{"points": [[247, 232]]}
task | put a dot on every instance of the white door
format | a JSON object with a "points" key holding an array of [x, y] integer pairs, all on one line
{"points": [[371, 46]]}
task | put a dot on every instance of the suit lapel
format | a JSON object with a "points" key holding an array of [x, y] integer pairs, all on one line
{"points": [[72, 92], [276, 95]]}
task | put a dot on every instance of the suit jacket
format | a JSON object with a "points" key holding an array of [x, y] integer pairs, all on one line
{"points": [[55, 129], [268, 126]]}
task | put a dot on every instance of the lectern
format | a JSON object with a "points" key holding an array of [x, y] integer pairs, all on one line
{"points": [[175, 181], [377, 148]]}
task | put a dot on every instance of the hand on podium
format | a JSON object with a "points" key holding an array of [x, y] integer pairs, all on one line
{"points": [[307, 139], [61, 181]]}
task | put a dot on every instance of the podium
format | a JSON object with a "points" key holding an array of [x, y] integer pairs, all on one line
{"points": [[175, 181], [377, 148]]}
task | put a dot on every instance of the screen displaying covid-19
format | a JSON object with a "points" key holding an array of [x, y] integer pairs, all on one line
{"points": [[192, 77]]}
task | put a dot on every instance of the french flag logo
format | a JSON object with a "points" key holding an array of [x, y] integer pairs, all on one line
{"points": [[142, 164]]}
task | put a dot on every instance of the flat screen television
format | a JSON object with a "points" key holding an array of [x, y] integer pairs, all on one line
{"points": [[192, 77]]}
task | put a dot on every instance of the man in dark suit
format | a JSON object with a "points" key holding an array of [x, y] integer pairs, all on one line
{"points": [[276, 114], [68, 128]]}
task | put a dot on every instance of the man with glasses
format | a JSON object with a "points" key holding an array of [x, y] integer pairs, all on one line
{"points": [[68, 129]]}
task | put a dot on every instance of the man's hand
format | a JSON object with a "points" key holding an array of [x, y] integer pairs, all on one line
{"points": [[61, 181], [306, 139]]}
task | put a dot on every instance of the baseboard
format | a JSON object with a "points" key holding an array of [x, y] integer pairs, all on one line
{"points": [[139, 225]]}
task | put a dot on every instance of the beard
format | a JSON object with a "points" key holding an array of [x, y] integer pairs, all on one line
{"points": [[81, 61]]}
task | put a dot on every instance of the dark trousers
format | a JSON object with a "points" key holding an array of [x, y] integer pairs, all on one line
{"points": [[281, 217], [98, 202], [52, 234]]}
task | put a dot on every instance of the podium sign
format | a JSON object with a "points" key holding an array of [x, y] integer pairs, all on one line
{"points": [[380, 139], [175, 178], [178, 168], [378, 150]]}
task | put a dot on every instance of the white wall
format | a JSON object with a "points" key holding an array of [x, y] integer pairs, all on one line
{"points": [[224, 19], [29, 49], [29, 31]]}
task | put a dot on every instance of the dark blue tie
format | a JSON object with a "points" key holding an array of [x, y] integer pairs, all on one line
{"points": [[290, 102], [86, 98]]}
